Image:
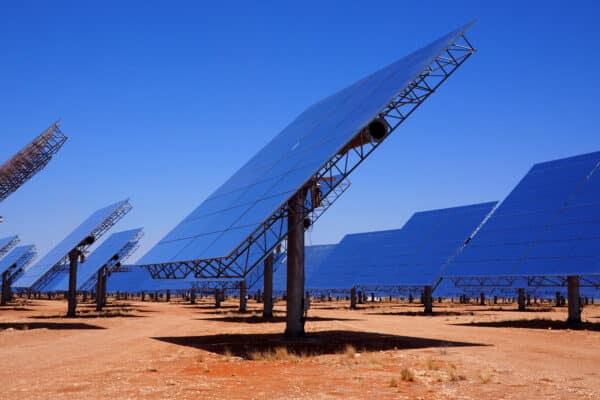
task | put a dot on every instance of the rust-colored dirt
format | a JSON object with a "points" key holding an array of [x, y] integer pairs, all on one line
{"points": [[144, 350]]}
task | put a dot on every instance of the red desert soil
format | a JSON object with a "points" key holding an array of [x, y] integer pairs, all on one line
{"points": [[151, 350]]}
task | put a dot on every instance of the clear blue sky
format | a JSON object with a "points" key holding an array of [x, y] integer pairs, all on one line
{"points": [[162, 101]]}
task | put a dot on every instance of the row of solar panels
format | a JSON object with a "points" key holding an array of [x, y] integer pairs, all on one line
{"points": [[549, 225]]}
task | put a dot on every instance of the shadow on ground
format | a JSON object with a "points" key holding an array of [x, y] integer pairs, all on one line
{"points": [[15, 308], [23, 326], [422, 313], [317, 343], [275, 319], [536, 324], [90, 315]]}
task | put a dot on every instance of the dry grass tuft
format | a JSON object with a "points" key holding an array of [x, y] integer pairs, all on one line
{"points": [[454, 375], [407, 375], [484, 377], [394, 383], [227, 352], [279, 354], [350, 351], [433, 364]]}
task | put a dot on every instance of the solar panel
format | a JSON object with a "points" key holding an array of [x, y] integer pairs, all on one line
{"points": [[134, 278], [7, 243], [313, 258], [42, 272], [18, 259], [410, 256], [30, 160], [548, 225], [325, 140], [109, 253]]}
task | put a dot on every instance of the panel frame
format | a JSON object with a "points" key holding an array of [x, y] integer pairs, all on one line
{"points": [[257, 246]]}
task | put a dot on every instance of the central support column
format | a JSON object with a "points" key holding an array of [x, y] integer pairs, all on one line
{"points": [[100, 290], [6, 294], [295, 267], [268, 287], [428, 299], [217, 298], [574, 300], [353, 298], [521, 299], [72, 294], [242, 297]]}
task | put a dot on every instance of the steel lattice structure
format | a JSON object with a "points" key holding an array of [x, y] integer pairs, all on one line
{"points": [[114, 264], [272, 233], [30, 160], [99, 231], [12, 243]]}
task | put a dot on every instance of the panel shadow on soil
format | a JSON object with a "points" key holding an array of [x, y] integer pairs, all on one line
{"points": [[275, 319], [315, 343], [535, 324], [23, 326]]}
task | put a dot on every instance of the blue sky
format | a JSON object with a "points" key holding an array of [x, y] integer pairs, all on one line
{"points": [[163, 101]]}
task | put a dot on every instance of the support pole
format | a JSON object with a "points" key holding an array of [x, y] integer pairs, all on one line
{"points": [[482, 299], [521, 299], [242, 297], [6, 293], [428, 299], [99, 290], [574, 300], [353, 298], [217, 298], [168, 295], [72, 296], [295, 267], [193, 296], [268, 287], [558, 299]]}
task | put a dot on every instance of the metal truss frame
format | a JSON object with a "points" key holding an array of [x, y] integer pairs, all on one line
{"points": [[19, 266], [98, 232], [589, 280], [30, 160], [115, 262], [273, 231], [4, 250]]}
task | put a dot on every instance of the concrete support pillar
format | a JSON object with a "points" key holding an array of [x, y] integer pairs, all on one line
{"points": [[72, 296], [168, 295], [243, 300], [217, 298], [558, 299], [193, 296], [574, 300], [99, 290], [268, 287], [482, 299], [295, 267], [428, 299], [6, 292], [353, 298], [495, 300], [521, 299]]}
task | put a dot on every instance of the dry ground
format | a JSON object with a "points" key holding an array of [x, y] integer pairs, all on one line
{"points": [[143, 350]]}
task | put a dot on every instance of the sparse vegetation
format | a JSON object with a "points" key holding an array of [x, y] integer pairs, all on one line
{"points": [[432, 364], [407, 374], [454, 375], [394, 383], [350, 351], [484, 377]]}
